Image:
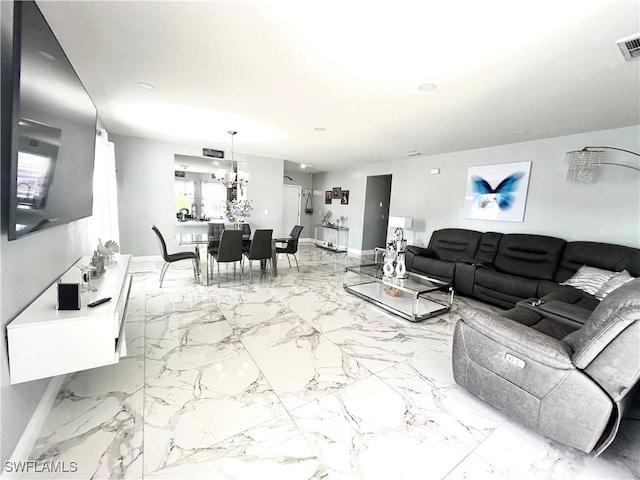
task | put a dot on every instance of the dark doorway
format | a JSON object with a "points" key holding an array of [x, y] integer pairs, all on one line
{"points": [[376, 211]]}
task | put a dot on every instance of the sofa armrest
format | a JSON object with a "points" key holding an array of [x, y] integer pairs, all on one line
{"points": [[521, 339], [572, 312], [421, 251]]}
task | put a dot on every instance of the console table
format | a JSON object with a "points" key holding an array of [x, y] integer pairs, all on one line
{"points": [[45, 342], [339, 241]]}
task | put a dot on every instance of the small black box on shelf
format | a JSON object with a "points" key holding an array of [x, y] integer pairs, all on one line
{"points": [[68, 296]]}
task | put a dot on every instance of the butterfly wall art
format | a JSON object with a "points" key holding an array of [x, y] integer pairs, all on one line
{"points": [[497, 192]]}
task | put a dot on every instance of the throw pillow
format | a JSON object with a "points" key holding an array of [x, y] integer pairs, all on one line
{"points": [[614, 282], [589, 279]]}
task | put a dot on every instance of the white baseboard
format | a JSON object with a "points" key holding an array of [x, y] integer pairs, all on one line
{"points": [[32, 431]]}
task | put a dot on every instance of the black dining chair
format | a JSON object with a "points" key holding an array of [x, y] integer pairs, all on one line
{"points": [[229, 250], [246, 237], [170, 258], [260, 249], [214, 232], [291, 247], [246, 244]]}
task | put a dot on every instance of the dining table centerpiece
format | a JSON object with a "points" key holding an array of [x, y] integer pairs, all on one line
{"points": [[239, 210]]}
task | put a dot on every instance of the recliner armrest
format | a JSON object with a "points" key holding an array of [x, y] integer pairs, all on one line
{"points": [[575, 313], [421, 251], [521, 339]]}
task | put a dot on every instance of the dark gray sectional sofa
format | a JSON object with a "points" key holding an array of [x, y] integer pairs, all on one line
{"points": [[507, 270]]}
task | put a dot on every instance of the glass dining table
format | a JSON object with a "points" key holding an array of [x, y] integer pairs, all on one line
{"points": [[202, 240]]}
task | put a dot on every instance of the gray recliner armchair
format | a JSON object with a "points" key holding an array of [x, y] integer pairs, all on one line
{"points": [[573, 390]]}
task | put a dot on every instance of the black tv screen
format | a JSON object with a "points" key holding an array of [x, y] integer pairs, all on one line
{"points": [[54, 131]]}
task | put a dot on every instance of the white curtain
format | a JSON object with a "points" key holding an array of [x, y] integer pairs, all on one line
{"points": [[103, 224]]}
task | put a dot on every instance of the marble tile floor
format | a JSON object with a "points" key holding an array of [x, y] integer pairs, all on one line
{"points": [[292, 378]]}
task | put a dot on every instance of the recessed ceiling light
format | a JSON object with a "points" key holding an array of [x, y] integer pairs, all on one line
{"points": [[216, 163], [521, 132], [413, 153], [427, 87], [320, 129], [146, 86], [303, 166]]}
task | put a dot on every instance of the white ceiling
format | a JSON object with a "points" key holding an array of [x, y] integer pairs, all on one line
{"points": [[506, 71]]}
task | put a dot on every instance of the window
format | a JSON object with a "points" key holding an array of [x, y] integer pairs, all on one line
{"points": [[34, 177], [213, 197], [185, 194]]}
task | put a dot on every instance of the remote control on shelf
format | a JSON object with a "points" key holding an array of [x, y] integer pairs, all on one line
{"points": [[98, 302]]}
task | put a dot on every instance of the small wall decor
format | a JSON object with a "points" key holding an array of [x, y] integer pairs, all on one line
{"points": [[336, 192], [328, 195], [344, 199], [308, 204], [497, 192]]}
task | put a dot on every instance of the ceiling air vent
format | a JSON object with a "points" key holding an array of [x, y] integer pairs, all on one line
{"points": [[630, 47]]}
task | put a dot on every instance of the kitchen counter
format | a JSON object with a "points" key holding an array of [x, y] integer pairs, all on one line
{"points": [[197, 223]]}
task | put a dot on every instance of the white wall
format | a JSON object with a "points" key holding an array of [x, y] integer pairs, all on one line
{"points": [[29, 265], [607, 210], [265, 191], [145, 176]]}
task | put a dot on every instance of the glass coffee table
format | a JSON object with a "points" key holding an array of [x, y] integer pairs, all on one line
{"points": [[407, 297]]}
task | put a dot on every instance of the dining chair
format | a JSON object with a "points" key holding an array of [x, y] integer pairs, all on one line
{"points": [[260, 249], [229, 251], [246, 237], [170, 258], [214, 232], [291, 247]]}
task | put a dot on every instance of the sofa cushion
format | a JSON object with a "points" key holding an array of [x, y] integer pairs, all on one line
{"points": [[600, 255], [488, 247], [613, 283], [534, 319], [589, 279], [502, 289], [566, 294], [529, 256], [454, 244]]}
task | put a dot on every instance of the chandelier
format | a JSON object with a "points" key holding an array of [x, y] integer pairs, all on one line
{"points": [[232, 178]]}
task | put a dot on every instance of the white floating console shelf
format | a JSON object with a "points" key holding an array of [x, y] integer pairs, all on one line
{"points": [[45, 342]]}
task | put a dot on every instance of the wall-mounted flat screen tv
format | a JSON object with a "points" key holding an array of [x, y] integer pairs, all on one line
{"points": [[54, 131]]}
